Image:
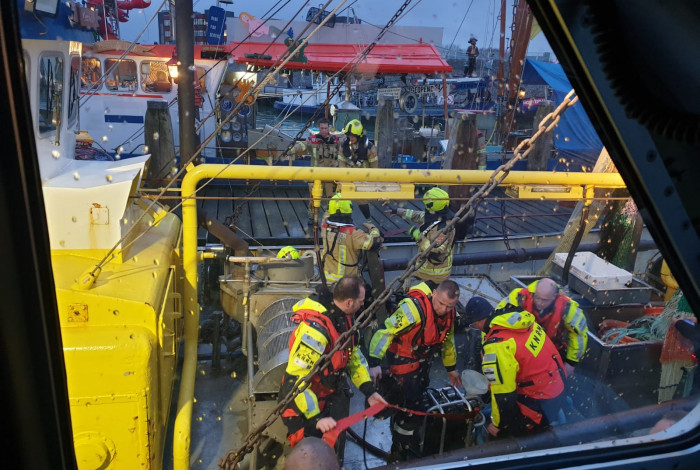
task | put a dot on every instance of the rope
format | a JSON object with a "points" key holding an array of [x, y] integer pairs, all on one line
{"points": [[232, 458]]}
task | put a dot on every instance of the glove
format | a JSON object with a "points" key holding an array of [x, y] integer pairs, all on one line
{"points": [[394, 212], [414, 232]]}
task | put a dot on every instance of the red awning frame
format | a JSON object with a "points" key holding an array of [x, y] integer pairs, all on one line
{"points": [[382, 59]]}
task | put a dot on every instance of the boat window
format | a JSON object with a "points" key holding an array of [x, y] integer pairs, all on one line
{"points": [[50, 91], [121, 75], [155, 77], [73, 89], [91, 74]]}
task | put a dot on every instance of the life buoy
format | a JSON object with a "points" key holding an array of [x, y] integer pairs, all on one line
{"points": [[409, 103]]}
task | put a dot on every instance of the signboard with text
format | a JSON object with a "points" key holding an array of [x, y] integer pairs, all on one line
{"points": [[216, 22]]}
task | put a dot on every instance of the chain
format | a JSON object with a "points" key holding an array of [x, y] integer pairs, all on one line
{"points": [[360, 59], [232, 458]]}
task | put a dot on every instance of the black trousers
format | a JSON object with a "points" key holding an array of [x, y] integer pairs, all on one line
{"points": [[336, 406], [408, 391]]}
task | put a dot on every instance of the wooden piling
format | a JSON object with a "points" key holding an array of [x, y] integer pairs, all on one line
{"points": [[384, 130], [160, 143], [538, 158], [462, 151]]}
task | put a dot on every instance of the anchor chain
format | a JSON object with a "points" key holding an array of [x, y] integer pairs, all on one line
{"points": [[232, 458]]}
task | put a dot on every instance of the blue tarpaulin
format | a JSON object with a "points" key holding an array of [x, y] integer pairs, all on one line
{"points": [[574, 137]]}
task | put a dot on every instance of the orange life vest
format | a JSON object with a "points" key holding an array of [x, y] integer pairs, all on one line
{"points": [[539, 377], [418, 342], [323, 384], [552, 322]]}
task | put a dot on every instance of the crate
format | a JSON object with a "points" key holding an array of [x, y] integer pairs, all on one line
{"points": [[594, 271]]}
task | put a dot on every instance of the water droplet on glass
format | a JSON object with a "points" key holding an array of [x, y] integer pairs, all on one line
{"points": [[108, 178], [104, 138], [56, 154], [76, 176], [156, 136]]}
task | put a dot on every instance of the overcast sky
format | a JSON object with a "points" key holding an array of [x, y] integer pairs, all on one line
{"points": [[459, 18]]}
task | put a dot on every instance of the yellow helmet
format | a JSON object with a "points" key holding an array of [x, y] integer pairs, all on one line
{"points": [[336, 204], [354, 127], [436, 199], [288, 251]]}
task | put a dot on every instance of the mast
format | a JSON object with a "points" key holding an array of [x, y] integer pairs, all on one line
{"points": [[184, 39], [522, 27]]}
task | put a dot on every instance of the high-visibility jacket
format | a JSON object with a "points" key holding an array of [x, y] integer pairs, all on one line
{"points": [[320, 148], [438, 266], [523, 368], [563, 321], [342, 243], [413, 332], [317, 333], [364, 156]]}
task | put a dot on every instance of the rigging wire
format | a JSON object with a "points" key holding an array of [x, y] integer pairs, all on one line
{"points": [[460, 26], [111, 254], [363, 319], [91, 91], [172, 102]]}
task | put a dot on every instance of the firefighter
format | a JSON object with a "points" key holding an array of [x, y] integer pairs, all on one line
{"points": [[436, 215], [561, 318], [324, 149], [342, 241], [525, 371], [421, 325], [288, 252], [321, 319], [358, 152]]}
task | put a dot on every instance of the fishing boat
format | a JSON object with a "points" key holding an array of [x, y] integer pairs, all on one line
{"points": [[118, 283]]}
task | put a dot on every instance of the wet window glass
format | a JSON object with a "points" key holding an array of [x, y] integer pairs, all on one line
{"points": [[155, 77], [50, 92], [90, 74], [121, 75]]}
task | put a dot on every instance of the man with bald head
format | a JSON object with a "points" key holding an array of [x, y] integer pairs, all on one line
{"points": [[561, 318], [311, 453]]}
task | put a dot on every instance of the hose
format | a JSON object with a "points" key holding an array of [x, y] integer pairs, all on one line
{"points": [[376, 451]]}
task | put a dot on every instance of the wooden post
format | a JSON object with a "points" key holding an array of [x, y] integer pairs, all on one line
{"points": [[384, 130], [462, 155], [596, 209], [538, 158], [160, 143]]}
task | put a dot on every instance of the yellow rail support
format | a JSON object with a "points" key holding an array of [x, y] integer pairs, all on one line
{"points": [[196, 174]]}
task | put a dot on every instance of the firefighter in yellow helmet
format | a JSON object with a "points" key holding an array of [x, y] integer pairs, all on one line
{"points": [[288, 251], [324, 148], [342, 241], [358, 152], [436, 215]]}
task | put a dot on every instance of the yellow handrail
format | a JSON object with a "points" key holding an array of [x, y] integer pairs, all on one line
{"points": [[196, 174]]}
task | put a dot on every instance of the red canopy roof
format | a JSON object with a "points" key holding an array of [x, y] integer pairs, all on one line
{"points": [[383, 59]]}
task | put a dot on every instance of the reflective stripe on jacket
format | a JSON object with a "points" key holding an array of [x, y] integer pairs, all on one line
{"points": [[438, 265], [341, 248], [564, 322], [522, 366], [365, 156], [316, 335], [413, 330]]}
